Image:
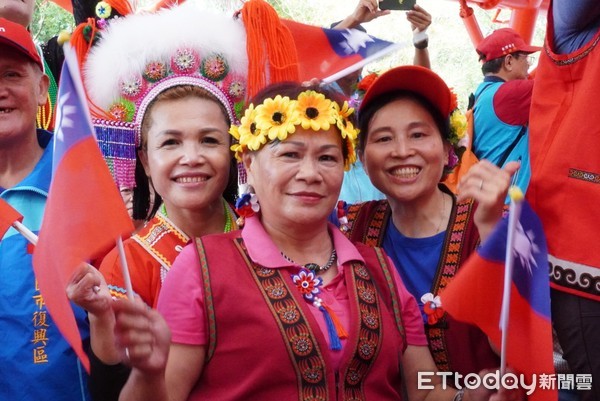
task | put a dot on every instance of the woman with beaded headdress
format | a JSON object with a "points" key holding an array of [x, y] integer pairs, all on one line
{"points": [[286, 308], [411, 131], [162, 115]]}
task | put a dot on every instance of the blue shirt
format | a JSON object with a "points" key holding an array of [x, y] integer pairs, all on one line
{"points": [[416, 259]]}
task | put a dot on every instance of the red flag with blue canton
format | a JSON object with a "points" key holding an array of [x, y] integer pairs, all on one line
{"points": [[84, 213], [8, 215], [475, 296], [329, 54]]}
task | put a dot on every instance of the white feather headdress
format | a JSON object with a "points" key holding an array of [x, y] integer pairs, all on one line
{"points": [[141, 55], [128, 46]]}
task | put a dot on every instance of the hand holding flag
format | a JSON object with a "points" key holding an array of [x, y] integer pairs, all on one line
{"points": [[476, 295], [84, 214]]}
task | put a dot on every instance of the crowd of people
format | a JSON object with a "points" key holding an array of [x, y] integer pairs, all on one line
{"points": [[250, 279]]}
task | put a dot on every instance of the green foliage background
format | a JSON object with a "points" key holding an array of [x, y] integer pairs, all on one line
{"points": [[452, 54], [49, 20]]}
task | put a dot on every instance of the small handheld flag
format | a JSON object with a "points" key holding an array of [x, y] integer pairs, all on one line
{"points": [[8, 216], [476, 295], [84, 213]]}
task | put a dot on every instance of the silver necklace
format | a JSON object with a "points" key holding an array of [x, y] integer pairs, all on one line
{"points": [[313, 266]]}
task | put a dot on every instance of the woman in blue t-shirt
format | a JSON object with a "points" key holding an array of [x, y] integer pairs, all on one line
{"points": [[409, 128]]}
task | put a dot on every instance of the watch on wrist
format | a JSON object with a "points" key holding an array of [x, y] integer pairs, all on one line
{"points": [[421, 45]]}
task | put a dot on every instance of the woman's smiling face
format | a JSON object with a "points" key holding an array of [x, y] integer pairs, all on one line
{"points": [[404, 153], [187, 154]]}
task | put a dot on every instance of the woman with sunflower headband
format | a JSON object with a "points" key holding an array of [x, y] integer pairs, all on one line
{"points": [[411, 134], [286, 308]]}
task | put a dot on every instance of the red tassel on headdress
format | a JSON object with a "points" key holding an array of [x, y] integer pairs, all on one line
{"points": [[82, 39], [268, 43], [122, 6]]}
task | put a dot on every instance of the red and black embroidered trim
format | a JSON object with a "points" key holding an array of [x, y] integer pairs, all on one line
{"points": [[449, 264], [368, 343]]}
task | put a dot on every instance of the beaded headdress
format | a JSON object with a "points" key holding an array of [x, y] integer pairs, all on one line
{"points": [[140, 56]]}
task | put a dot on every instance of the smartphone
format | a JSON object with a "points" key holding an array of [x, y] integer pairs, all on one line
{"points": [[397, 4]]}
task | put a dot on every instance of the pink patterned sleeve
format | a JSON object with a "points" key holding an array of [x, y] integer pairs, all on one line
{"points": [[181, 300]]}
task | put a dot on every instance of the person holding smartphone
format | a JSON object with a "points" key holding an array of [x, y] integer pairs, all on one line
{"points": [[357, 187]]}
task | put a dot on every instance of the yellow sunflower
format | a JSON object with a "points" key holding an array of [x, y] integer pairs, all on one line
{"points": [[234, 132], [250, 136], [458, 125], [346, 111], [342, 120], [351, 159], [236, 148], [316, 112], [277, 117]]}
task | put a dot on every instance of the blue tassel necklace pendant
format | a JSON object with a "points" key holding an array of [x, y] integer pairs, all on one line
{"points": [[308, 284]]}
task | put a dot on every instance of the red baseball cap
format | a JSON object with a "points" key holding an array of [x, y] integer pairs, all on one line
{"points": [[412, 78], [17, 37], [502, 42]]}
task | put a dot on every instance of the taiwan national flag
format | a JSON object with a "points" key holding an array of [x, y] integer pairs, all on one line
{"points": [[8, 215], [84, 214], [475, 296], [330, 54], [65, 4]]}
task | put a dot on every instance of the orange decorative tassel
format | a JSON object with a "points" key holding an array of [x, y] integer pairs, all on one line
{"points": [[341, 332], [268, 42]]}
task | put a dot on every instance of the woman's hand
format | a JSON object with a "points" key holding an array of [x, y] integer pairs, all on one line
{"points": [[88, 289], [488, 185], [142, 336]]}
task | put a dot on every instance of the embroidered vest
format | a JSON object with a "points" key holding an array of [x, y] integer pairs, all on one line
{"points": [[464, 348], [264, 338]]}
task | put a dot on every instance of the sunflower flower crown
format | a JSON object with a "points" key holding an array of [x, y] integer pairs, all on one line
{"points": [[277, 119]]}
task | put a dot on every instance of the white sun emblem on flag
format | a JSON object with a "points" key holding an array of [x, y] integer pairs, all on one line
{"points": [[63, 119], [525, 247], [355, 39]]}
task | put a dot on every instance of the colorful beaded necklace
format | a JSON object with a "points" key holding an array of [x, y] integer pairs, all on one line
{"points": [[228, 217]]}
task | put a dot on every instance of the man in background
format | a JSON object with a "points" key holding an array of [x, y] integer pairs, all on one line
{"points": [[502, 102]]}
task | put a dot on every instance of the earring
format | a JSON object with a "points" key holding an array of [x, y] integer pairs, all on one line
{"points": [[247, 204]]}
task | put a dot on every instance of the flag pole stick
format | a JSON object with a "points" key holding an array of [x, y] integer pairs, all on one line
{"points": [[125, 269], [25, 232], [516, 198]]}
